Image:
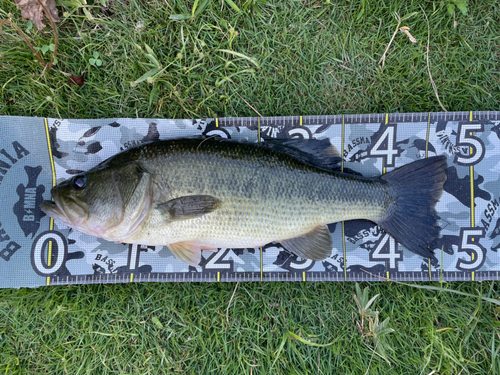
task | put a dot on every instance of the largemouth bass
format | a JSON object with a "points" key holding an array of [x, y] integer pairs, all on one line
{"points": [[193, 194]]}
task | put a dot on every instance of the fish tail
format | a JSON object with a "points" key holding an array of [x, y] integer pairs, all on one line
{"points": [[414, 190]]}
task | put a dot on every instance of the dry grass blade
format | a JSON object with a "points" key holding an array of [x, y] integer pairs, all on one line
{"points": [[428, 64]]}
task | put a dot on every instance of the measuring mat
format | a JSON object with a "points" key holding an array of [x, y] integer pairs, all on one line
{"points": [[37, 153]]}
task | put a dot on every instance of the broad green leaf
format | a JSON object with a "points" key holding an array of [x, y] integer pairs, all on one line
{"points": [[462, 5], [451, 8]]}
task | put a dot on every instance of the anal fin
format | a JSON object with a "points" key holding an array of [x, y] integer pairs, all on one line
{"points": [[315, 245]]}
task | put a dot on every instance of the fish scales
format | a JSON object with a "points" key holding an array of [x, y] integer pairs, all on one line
{"points": [[266, 196]]}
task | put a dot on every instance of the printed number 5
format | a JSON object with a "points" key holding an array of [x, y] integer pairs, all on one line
{"points": [[470, 244], [466, 139]]}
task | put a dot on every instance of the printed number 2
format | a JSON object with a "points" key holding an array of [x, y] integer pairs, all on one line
{"points": [[384, 146], [466, 139], [469, 244], [387, 250]]}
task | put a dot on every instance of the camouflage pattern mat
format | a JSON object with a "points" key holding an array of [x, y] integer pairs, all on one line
{"points": [[36, 153]]}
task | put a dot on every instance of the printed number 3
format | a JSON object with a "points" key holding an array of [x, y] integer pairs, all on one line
{"points": [[470, 244]]}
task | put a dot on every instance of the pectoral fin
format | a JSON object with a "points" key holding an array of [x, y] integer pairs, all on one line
{"points": [[188, 207], [315, 245], [188, 252]]}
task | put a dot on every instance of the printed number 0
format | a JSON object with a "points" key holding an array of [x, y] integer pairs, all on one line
{"points": [[59, 248], [384, 147], [470, 244], [466, 139]]}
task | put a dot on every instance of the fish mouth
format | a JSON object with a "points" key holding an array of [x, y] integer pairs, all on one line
{"points": [[53, 210]]}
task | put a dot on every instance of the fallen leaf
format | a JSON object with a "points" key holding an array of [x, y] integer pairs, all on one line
{"points": [[33, 10], [75, 80]]}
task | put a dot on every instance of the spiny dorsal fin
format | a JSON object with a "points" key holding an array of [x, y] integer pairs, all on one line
{"points": [[315, 245], [188, 207]]}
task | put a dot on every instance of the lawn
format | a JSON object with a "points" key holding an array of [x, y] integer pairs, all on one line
{"points": [[204, 58]]}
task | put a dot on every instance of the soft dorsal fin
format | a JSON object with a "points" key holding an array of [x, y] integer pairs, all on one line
{"points": [[318, 153], [188, 207], [315, 245]]}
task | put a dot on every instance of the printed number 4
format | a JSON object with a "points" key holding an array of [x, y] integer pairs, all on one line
{"points": [[384, 146], [387, 250], [470, 244]]}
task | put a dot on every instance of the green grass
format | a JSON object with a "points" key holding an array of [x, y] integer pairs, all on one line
{"points": [[312, 59], [296, 58], [183, 328]]}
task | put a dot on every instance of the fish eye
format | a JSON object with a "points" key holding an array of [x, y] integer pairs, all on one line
{"points": [[79, 182]]}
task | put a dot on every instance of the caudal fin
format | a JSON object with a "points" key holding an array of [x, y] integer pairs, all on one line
{"points": [[414, 190]]}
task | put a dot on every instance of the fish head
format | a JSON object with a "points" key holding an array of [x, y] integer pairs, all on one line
{"points": [[105, 202]]}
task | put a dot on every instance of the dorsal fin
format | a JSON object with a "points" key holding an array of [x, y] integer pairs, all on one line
{"points": [[318, 153]]}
